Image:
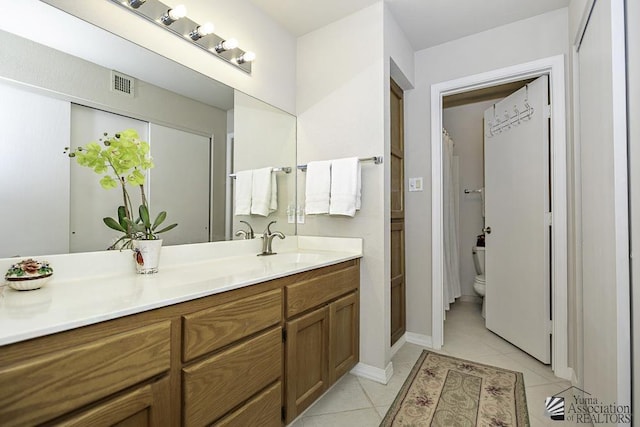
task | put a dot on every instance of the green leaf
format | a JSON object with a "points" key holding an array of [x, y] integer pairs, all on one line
{"points": [[144, 215], [122, 215], [167, 228], [113, 224], [159, 220]]}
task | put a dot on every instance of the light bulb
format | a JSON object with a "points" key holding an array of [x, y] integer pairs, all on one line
{"points": [[246, 57], [201, 31], [172, 15], [205, 29], [226, 45], [180, 11], [230, 44]]}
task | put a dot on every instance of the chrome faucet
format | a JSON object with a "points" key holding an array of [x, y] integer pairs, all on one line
{"points": [[248, 235], [267, 238]]}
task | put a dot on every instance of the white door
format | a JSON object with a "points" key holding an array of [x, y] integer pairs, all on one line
{"points": [[517, 258], [604, 207], [179, 183], [34, 173]]}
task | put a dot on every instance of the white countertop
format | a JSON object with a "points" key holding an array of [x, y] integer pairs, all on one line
{"points": [[93, 287]]}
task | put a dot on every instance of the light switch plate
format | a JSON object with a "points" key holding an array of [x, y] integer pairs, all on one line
{"points": [[415, 184]]}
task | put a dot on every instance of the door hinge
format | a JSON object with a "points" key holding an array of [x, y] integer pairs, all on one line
{"points": [[548, 218], [284, 335], [547, 111], [550, 327]]}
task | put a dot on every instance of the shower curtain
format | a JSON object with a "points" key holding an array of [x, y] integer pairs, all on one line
{"points": [[451, 289]]}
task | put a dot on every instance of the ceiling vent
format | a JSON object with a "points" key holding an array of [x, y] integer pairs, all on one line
{"points": [[122, 84]]}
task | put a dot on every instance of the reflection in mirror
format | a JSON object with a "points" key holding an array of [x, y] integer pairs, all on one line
{"points": [[265, 139], [50, 100]]}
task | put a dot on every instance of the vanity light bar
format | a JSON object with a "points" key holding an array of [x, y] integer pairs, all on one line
{"points": [[188, 30]]}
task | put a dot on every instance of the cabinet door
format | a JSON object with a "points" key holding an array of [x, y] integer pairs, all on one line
{"points": [[145, 406], [307, 360], [344, 345]]}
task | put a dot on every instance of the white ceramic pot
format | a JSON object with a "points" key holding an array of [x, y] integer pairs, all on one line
{"points": [[146, 254]]}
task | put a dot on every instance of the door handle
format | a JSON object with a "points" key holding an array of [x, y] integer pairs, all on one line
{"points": [[487, 230]]}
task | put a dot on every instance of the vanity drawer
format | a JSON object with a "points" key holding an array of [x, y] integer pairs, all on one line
{"points": [[264, 410], [217, 384], [213, 328], [315, 291], [41, 388]]}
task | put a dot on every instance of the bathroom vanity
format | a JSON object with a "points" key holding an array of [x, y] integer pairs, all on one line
{"points": [[226, 339]]}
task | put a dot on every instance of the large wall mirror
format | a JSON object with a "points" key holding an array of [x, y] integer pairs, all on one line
{"points": [[200, 132]]}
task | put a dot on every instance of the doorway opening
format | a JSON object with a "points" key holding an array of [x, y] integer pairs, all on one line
{"points": [[554, 68]]}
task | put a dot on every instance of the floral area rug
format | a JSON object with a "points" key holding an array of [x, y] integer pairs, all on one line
{"points": [[450, 392]]}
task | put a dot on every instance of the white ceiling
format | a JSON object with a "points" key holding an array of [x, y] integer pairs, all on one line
{"points": [[426, 23]]}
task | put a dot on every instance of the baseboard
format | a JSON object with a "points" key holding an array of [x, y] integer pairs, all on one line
{"points": [[470, 298], [394, 348], [419, 339], [372, 373], [566, 373]]}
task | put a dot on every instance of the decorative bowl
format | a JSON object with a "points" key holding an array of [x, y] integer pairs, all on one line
{"points": [[28, 275]]}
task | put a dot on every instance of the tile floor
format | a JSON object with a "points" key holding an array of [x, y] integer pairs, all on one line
{"points": [[358, 402]]}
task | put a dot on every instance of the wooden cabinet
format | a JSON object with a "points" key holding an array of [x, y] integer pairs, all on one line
{"points": [[398, 302], [147, 405], [219, 360], [38, 388], [322, 343], [307, 358], [219, 383], [344, 335]]}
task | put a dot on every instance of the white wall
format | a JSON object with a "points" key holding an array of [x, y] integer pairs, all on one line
{"points": [[273, 77], [465, 126], [538, 37], [343, 110], [340, 114]]}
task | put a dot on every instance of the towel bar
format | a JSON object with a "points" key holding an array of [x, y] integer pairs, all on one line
{"points": [[375, 159], [285, 169]]}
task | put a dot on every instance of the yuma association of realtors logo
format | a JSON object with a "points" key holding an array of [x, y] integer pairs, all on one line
{"points": [[579, 408], [554, 408]]}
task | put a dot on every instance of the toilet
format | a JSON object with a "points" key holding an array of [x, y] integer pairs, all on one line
{"points": [[479, 283]]}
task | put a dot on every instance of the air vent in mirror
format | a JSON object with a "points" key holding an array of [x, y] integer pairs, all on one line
{"points": [[122, 84]]}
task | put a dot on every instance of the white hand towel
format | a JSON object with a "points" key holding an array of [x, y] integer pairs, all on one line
{"points": [[261, 191], [244, 183], [274, 193], [317, 187], [345, 186]]}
